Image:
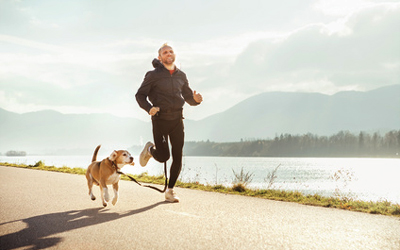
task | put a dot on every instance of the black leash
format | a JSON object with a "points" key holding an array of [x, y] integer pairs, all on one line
{"points": [[155, 188]]}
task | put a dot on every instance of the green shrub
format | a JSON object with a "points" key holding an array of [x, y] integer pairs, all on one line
{"points": [[218, 187], [239, 187], [395, 210], [242, 177], [38, 164]]}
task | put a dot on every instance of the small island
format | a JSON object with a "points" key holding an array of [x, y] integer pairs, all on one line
{"points": [[15, 153]]}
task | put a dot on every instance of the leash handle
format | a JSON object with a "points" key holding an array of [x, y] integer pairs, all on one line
{"points": [[149, 186]]}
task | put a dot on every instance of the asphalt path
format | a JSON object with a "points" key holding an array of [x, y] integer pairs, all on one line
{"points": [[48, 210]]}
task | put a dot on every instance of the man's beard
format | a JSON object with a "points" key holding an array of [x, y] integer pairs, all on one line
{"points": [[168, 61]]}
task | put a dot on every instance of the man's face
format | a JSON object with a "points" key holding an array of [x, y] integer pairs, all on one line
{"points": [[167, 55]]}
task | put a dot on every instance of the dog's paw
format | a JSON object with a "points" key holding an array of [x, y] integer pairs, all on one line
{"points": [[92, 197], [114, 201]]}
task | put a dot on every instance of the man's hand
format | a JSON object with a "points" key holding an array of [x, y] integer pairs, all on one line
{"points": [[153, 111], [197, 97]]}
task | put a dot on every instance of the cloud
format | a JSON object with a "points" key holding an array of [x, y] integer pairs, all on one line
{"points": [[181, 20], [346, 7], [355, 56], [76, 56], [45, 76]]}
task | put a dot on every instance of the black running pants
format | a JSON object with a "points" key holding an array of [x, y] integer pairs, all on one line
{"points": [[172, 130]]}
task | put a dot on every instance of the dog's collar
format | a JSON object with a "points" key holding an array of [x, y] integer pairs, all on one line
{"points": [[115, 165]]}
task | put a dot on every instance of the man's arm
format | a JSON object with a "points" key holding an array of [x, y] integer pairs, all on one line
{"points": [[143, 92], [193, 98]]}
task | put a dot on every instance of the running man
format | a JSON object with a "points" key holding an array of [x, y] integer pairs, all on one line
{"points": [[162, 95]]}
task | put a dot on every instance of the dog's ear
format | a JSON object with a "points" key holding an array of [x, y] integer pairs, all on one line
{"points": [[113, 156]]}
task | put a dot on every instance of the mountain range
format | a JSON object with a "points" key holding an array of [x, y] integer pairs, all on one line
{"points": [[259, 117]]}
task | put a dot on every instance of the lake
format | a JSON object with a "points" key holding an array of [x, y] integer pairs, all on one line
{"points": [[374, 179]]}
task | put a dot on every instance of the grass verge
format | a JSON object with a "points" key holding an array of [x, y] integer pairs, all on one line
{"points": [[379, 207]]}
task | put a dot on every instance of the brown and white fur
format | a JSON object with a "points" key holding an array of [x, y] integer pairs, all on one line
{"points": [[103, 173]]}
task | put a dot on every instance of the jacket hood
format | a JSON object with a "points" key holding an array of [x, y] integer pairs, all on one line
{"points": [[156, 63]]}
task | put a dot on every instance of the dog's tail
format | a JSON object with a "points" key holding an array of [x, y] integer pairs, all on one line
{"points": [[95, 153]]}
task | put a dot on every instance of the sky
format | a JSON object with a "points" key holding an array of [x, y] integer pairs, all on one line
{"points": [[90, 56]]}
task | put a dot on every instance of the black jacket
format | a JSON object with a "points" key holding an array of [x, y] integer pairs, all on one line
{"points": [[166, 91]]}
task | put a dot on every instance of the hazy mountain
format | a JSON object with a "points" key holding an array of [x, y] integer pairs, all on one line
{"points": [[52, 132], [269, 114], [262, 116]]}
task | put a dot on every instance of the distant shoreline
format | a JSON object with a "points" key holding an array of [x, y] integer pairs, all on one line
{"points": [[343, 144]]}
